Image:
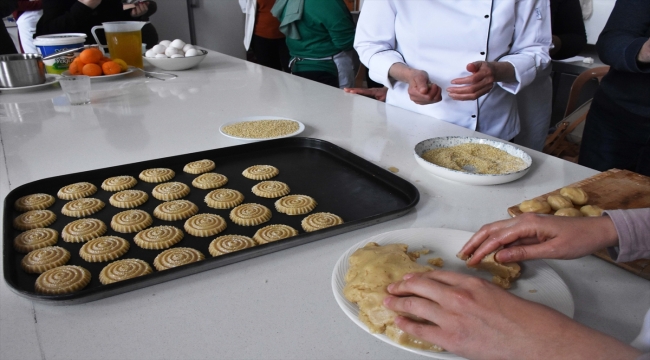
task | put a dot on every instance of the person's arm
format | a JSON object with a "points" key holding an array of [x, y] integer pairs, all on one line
{"points": [[63, 16], [475, 319], [569, 35], [623, 43], [29, 5], [632, 227], [375, 93], [336, 18]]}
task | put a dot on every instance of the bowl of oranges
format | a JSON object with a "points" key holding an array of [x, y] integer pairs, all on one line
{"points": [[92, 62]]}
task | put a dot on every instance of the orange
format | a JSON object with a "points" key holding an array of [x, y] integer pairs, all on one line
{"points": [[111, 68], [91, 56], [74, 68], [122, 64], [91, 70]]}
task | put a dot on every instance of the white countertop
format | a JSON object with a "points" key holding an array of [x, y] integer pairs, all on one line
{"points": [[278, 305]]}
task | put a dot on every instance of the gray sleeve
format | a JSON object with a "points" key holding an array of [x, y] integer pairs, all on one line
{"points": [[633, 228]]}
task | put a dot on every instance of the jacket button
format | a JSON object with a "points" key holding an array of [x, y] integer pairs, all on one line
{"points": [[487, 16], [473, 116], [482, 52]]}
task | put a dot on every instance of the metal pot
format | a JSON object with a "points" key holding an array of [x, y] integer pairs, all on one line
{"points": [[17, 70]]}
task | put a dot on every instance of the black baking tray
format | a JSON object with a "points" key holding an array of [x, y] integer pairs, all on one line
{"points": [[342, 183]]}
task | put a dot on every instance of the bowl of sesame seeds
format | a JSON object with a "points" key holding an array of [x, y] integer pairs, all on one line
{"points": [[257, 128], [472, 160]]}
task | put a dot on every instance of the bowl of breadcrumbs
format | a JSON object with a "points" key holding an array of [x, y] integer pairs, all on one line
{"points": [[256, 128], [472, 160]]}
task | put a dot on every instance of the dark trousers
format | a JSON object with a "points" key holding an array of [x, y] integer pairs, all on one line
{"points": [[6, 44], [271, 53], [322, 77], [615, 138]]}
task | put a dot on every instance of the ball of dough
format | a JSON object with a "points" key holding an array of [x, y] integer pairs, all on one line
{"points": [[591, 210], [535, 206], [568, 212], [558, 202], [576, 195]]}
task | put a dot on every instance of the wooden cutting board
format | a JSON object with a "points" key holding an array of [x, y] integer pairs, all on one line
{"points": [[612, 189]]}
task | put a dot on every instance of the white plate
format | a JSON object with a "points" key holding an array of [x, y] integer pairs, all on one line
{"points": [[176, 64], [106, 77], [465, 177], [301, 127], [49, 80], [546, 285]]}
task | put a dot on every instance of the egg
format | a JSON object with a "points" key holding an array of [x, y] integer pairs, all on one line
{"points": [[174, 56], [172, 50], [158, 49], [192, 52], [187, 47], [150, 53], [161, 56], [178, 43], [165, 43]]}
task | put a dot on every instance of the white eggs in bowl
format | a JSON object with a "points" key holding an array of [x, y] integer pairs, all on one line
{"points": [[174, 55]]}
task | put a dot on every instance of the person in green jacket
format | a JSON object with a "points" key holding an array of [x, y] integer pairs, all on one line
{"points": [[320, 38]]}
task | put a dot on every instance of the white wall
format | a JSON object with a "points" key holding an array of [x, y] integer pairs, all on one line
{"points": [[219, 24], [595, 24]]}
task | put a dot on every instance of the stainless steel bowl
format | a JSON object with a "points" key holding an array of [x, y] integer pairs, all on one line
{"points": [[17, 70]]}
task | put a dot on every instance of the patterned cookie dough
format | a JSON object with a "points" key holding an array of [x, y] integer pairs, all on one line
{"points": [[123, 269], [170, 191], [119, 183], [295, 204], [175, 210], [34, 219], [271, 189], [321, 220], [199, 167], [179, 256], [272, 233], [204, 225], [128, 199], [250, 214], [62, 280], [230, 243], [158, 237], [35, 239], [34, 202], [157, 175], [82, 207], [130, 221], [104, 248], [76, 191], [261, 172], [83, 230], [44, 259], [210, 181], [224, 198]]}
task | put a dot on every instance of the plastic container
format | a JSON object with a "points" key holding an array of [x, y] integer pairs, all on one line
{"points": [[54, 43]]}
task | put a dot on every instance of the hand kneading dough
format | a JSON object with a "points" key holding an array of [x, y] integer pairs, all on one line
{"points": [[591, 210], [558, 202], [568, 212], [576, 195], [372, 269], [535, 206]]}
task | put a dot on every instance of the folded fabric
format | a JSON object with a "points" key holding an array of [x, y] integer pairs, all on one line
{"points": [[288, 12]]}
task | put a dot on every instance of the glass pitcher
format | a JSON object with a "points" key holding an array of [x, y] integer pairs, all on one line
{"points": [[124, 40]]}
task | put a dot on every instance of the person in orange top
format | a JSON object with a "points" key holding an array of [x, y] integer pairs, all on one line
{"points": [[262, 33]]}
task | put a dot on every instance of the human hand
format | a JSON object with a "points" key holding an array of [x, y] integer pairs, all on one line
{"points": [[644, 54], [478, 84], [375, 93], [91, 3], [420, 90], [478, 320], [139, 9], [535, 236]]}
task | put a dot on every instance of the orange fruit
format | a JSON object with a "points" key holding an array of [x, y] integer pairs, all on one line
{"points": [[122, 64], [91, 70], [111, 68], [91, 56], [74, 68]]}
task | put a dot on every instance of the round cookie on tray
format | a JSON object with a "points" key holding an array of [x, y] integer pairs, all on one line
{"points": [[83, 230], [82, 207], [250, 214], [119, 183], [321, 220], [34, 219], [260, 172], [224, 198], [175, 257], [35, 239], [104, 248], [272, 233], [158, 237], [170, 191], [209, 181], [43, 259], [76, 191], [199, 167], [156, 175], [270, 189], [175, 210], [230, 243], [34, 202], [204, 225], [128, 199], [62, 280], [130, 221], [295, 204], [124, 269]]}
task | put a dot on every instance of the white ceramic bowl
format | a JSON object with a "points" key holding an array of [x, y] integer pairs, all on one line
{"points": [[465, 177], [176, 64]]}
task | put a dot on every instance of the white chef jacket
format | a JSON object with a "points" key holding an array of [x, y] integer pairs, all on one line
{"points": [[441, 37], [248, 7]]}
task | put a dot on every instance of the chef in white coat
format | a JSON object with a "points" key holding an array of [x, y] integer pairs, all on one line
{"points": [[460, 61]]}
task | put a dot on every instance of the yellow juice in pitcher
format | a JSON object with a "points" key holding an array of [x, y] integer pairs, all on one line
{"points": [[126, 46]]}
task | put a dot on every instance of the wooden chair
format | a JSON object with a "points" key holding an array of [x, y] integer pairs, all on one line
{"points": [[560, 142]]}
